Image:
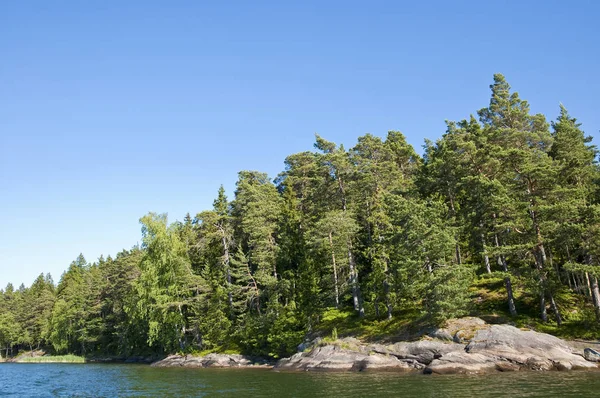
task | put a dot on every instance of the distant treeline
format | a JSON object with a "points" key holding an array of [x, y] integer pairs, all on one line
{"points": [[376, 229]]}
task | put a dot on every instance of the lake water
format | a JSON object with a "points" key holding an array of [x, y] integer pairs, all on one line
{"points": [[110, 380]]}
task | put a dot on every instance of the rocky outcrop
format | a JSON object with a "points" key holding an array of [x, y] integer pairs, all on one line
{"points": [[468, 346], [350, 354], [506, 348], [338, 357], [423, 352], [464, 346], [212, 361]]}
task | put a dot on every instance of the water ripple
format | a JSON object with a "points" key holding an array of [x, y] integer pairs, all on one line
{"points": [[110, 380]]}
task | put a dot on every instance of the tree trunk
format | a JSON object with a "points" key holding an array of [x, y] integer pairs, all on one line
{"points": [[575, 282], [507, 282], [458, 257], [511, 301], [589, 286], [335, 275], [255, 286], [388, 302], [486, 258], [555, 309], [227, 270], [544, 313], [272, 246], [386, 289], [354, 283], [456, 246], [342, 193], [596, 294], [541, 263]]}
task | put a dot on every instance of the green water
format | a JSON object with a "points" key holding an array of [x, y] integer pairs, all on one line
{"points": [[91, 380]]}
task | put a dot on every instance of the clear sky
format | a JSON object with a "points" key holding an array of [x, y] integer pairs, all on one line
{"points": [[110, 109]]}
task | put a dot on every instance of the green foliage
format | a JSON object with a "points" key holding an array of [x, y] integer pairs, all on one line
{"points": [[448, 293], [167, 286], [285, 334]]}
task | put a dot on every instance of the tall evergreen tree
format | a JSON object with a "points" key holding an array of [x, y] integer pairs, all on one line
{"points": [[340, 171]]}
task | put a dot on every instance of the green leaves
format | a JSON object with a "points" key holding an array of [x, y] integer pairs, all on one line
{"points": [[447, 293], [166, 285]]}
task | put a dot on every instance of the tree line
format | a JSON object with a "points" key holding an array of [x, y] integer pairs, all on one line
{"points": [[373, 229]]}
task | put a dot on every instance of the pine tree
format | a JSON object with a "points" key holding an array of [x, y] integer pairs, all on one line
{"points": [[215, 231], [575, 214], [69, 311], [257, 210], [340, 171], [521, 142]]}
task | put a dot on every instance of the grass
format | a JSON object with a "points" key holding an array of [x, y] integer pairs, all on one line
{"points": [[489, 302], [343, 323], [53, 359], [230, 350], [489, 298]]}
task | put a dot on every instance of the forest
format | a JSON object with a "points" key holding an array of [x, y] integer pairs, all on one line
{"points": [[498, 217]]}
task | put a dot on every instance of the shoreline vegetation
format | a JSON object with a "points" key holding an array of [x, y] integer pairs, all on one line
{"points": [[359, 253], [50, 359]]}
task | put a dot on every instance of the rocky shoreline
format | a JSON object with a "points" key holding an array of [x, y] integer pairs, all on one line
{"points": [[214, 361], [464, 346], [467, 346]]}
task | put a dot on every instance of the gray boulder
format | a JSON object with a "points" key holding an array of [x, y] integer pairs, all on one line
{"points": [[461, 362], [528, 349], [211, 361], [424, 351], [335, 357], [441, 334], [591, 355], [506, 348], [305, 345]]}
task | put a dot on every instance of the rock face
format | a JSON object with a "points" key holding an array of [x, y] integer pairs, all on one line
{"points": [[505, 348], [349, 354], [461, 362], [591, 355], [335, 357], [424, 351], [463, 346], [459, 330], [212, 361]]}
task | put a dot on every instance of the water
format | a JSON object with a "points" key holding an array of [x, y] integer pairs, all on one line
{"points": [[110, 380]]}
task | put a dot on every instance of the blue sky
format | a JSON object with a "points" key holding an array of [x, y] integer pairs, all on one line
{"points": [[110, 109]]}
